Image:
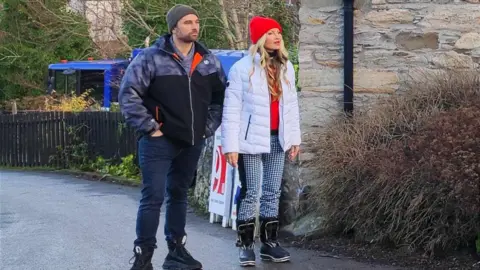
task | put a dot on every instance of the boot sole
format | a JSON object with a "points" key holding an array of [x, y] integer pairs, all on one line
{"points": [[150, 267], [181, 268], [248, 263], [275, 260], [174, 267]]}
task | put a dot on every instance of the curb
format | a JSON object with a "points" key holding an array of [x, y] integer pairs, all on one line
{"points": [[89, 176]]}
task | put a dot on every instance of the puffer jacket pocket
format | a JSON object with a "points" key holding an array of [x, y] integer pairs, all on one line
{"points": [[154, 108]]}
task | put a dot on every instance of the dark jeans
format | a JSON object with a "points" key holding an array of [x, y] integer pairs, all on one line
{"points": [[168, 169]]}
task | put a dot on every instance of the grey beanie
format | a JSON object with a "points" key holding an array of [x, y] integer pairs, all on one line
{"points": [[176, 13]]}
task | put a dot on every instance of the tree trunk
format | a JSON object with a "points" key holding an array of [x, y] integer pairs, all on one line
{"points": [[289, 196], [240, 42], [226, 25], [201, 185]]}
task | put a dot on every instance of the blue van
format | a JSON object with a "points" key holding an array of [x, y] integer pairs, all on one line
{"points": [[103, 77]]}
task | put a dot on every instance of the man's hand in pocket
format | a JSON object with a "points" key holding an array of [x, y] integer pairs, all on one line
{"points": [[157, 133]]}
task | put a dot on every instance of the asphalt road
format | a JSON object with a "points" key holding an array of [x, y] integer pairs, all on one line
{"points": [[57, 222]]}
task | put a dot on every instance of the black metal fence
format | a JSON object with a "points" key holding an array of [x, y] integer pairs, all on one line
{"points": [[52, 138]]}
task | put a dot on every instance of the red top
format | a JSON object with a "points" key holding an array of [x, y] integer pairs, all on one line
{"points": [[274, 114]]}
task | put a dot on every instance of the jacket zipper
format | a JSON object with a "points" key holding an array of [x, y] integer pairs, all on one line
{"points": [[191, 100], [248, 127], [189, 92], [191, 107], [283, 120]]}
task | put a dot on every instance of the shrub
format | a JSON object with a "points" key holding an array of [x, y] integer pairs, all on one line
{"points": [[127, 168], [65, 103], [407, 170], [34, 35], [70, 103]]}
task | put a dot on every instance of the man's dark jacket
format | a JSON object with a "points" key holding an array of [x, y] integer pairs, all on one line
{"points": [[157, 93]]}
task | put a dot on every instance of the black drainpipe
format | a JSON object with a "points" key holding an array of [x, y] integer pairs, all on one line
{"points": [[348, 57]]}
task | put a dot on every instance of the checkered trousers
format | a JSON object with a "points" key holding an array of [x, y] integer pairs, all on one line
{"points": [[250, 168]]}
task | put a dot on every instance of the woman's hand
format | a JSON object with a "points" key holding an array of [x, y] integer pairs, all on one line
{"points": [[232, 159], [292, 154]]}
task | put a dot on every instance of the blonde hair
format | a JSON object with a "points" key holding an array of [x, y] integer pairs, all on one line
{"points": [[275, 67]]}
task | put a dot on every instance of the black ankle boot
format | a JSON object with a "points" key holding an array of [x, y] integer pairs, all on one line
{"points": [[179, 258], [271, 249], [246, 242], [143, 258]]}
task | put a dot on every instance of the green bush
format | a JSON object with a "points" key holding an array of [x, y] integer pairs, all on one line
{"points": [[407, 171], [126, 168], [75, 153], [35, 34]]}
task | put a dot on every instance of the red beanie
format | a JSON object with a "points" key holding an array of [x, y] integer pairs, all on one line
{"points": [[259, 26]]}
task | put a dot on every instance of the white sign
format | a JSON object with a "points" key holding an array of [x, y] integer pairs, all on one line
{"points": [[235, 196], [220, 200]]}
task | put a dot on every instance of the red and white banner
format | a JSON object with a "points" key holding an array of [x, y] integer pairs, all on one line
{"points": [[220, 200], [220, 171]]}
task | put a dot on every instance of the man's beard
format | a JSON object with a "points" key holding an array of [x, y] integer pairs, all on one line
{"points": [[189, 38]]}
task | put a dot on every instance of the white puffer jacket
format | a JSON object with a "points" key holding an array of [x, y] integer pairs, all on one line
{"points": [[246, 113]]}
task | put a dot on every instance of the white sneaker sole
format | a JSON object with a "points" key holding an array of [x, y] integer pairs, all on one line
{"points": [[266, 257], [247, 263]]}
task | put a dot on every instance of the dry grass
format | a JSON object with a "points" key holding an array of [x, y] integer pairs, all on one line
{"points": [[407, 171], [67, 103]]}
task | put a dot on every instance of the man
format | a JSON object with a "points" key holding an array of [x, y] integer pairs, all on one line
{"points": [[172, 94]]}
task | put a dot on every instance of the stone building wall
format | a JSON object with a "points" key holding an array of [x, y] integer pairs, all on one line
{"points": [[392, 40]]}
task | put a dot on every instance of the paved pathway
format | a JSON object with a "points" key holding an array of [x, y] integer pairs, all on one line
{"points": [[58, 222]]}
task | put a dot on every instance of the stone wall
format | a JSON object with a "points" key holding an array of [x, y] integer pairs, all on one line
{"points": [[393, 39]]}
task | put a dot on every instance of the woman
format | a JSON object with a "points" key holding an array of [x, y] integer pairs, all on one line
{"points": [[260, 124]]}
